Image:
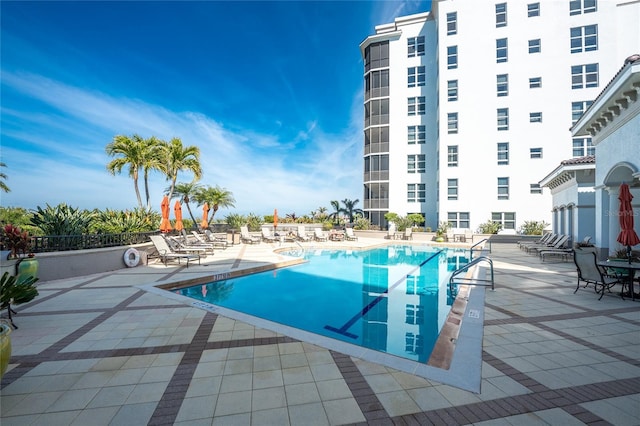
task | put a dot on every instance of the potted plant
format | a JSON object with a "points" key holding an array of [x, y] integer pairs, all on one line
{"points": [[15, 290], [443, 227], [17, 257]]}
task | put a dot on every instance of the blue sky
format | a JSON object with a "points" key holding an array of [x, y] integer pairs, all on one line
{"points": [[271, 93]]}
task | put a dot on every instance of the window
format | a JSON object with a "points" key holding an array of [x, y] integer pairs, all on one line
{"points": [[501, 15], [577, 109], [584, 76], [584, 39], [413, 343], [534, 188], [452, 57], [535, 117], [501, 50], [376, 139], [533, 9], [415, 46], [507, 219], [503, 188], [452, 156], [458, 219], [535, 82], [376, 167], [503, 153], [502, 84], [452, 23], [582, 147], [415, 76], [535, 152], [416, 105], [576, 7], [416, 134], [415, 163], [503, 118], [376, 84], [376, 55], [452, 90], [376, 112], [415, 314], [452, 122], [452, 189], [416, 192], [534, 46]]}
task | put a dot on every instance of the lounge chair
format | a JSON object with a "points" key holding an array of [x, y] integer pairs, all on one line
{"points": [[198, 241], [590, 273], [179, 246], [557, 243], [165, 252], [391, 233], [407, 234], [542, 240], [319, 235], [349, 235], [216, 240], [468, 235], [267, 236], [247, 238], [450, 236], [302, 234], [203, 240]]}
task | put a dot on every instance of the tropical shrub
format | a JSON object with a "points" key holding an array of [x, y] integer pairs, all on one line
{"points": [[235, 221], [17, 216], [62, 220], [489, 227], [533, 227], [115, 222], [254, 222], [16, 240], [443, 227], [16, 290], [362, 224]]}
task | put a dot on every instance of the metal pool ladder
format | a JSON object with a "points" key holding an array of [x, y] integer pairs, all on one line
{"points": [[455, 280]]}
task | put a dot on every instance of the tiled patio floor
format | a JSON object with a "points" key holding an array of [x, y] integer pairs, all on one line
{"points": [[99, 350]]}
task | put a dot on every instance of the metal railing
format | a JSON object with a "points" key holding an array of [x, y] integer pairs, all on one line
{"points": [[48, 243], [454, 280], [477, 244]]}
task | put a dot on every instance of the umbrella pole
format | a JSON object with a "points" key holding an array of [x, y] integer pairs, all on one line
{"points": [[629, 253]]}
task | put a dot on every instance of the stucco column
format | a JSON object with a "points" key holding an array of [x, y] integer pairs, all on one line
{"points": [[602, 217], [614, 222]]}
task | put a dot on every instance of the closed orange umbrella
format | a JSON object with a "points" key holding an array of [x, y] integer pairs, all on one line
{"points": [[177, 209], [165, 225], [275, 219], [205, 215]]}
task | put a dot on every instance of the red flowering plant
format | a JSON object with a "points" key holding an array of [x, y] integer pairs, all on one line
{"points": [[15, 240]]}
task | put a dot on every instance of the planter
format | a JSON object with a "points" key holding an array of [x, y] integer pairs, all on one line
{"points": [[28, 266], [439, 239], [5, 346], [8, 265]]}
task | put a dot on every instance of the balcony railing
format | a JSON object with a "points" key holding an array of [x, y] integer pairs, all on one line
{"points": [[47, 243]]}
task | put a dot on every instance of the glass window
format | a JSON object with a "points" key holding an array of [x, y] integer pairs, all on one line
{"points": [[535, 117], [535, 152], [413, 343], [415, 76], [582, 147], [415, 314], [501, 15], [452, 156], [376, 55], [501, 50], [583, 76], [535, 188], [584, 39], [503, 118], [503, 188], [452, 23], [415, 46], [458, 219], [376, 112], [416, 192], [452, 90], [533, 9], [502, 84], [507, 219], [577, 109], [452, 189], [503, 153], [416, 134], [577, 7], [534, 46], [376, 84], [416, 163], [452, 57], [416, 105], [452, 122], [535, 82]]}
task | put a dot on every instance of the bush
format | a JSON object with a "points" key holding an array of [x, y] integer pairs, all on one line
{"points": [[362, 224], [489, 227], [115, 222], [235, 221], [533, 227], [62, 220], [254, 222]]}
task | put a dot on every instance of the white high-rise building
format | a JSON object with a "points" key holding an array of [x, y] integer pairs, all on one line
{"points": [[501, 86]]}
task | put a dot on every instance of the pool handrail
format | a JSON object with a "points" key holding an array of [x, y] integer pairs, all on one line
{"points": [[475, 281], [476, 244]]}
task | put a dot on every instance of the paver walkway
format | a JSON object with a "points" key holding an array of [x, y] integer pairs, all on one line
{"points": [[99, 350]]}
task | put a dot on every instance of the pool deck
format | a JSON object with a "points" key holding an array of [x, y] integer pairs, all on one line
{"points": [[103, 350]]}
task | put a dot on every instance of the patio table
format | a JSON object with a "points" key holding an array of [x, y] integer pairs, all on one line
{"points": [[630, 269]]}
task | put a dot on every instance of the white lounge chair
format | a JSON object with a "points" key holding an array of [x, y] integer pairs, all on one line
{"points": [[203, 240], [349, 235], [179, 246], [408, 234], [391, 232], [267, 236], [216, 240], [302, 234], [165, 252], [246, 237], [319, 235]]}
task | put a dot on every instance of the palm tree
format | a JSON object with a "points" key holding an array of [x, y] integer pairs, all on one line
{"points": [[3, 176], [186, 191], [129, 151], [153, 161], [321, 213], [349, 208], [178, 158], [216, 197], [336, 214]]}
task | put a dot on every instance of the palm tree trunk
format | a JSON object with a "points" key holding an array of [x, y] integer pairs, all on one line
{"points": [[146, 188], [190, 214], [135, 184]]}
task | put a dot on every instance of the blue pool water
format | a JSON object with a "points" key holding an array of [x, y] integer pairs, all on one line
{"points": [[391, 299]]}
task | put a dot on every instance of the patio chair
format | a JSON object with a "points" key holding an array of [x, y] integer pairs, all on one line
{"points": [[204, 240], [408, 234], [391, 232], [198, 240], [450, 236], [179, 246], [302, 234], [349, 235], [590, 273], [165, 252], [247, 238], [542, 240], [216, 240], [468, 235], [558, 243], [319, 235], [267, 236]]}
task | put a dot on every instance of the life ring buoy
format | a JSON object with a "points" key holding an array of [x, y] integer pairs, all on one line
{"points": [[131, 257]]}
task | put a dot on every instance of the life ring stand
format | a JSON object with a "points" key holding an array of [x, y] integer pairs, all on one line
{"points": [[131, 257]]}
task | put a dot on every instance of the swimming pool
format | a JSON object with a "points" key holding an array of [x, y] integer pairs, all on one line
{"points": [[392, 299]]}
